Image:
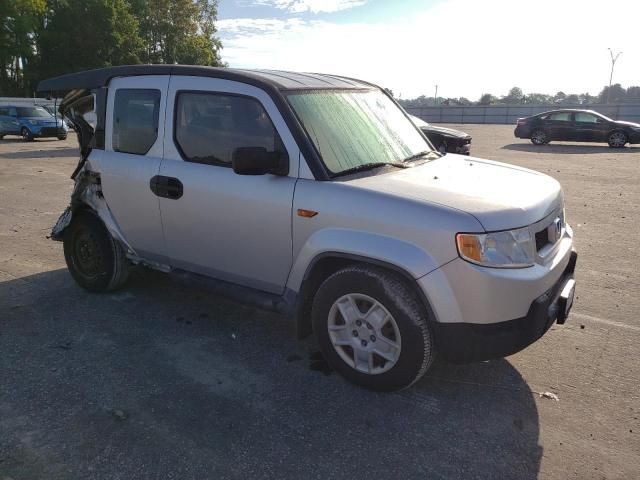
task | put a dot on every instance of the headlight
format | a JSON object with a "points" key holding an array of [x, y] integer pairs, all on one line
{"points": [[507, 249]]}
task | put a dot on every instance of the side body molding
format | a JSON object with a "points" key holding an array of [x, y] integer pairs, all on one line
{"points": [[345, 242]]}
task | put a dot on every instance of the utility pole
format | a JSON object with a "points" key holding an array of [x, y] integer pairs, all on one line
{"points": [[435, 97], [614, 59]]}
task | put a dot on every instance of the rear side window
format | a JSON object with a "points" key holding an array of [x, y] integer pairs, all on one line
{"points": [[210, 126], [561, 116], [135, 120]]}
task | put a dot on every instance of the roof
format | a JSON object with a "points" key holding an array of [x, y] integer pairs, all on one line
{"points": [[280, 80]]}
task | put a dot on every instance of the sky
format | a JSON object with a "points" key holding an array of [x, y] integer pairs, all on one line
{"points": [[466, 47]]}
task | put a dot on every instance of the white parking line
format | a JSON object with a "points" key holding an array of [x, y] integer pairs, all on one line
{"points": [[604, 320]]}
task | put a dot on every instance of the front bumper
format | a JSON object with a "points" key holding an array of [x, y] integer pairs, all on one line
{"points": [[469, 342]]}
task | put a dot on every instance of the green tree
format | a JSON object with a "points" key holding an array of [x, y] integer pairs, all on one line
{"points": [[84, 34], [178, 31], [18, 21], [613, 94], [514, 97], [487, 99]]}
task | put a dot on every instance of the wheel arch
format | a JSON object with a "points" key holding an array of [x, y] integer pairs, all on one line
{"points": [[326, 264]]}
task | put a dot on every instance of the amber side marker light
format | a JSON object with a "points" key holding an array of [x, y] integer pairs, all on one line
{"points": [[469, 246], [306, 213]]}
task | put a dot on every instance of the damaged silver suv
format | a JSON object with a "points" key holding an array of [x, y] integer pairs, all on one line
{"points": [[315, 196]]}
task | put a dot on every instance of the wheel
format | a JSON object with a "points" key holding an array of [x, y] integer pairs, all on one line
{"points": [[94, 258], [617, 139], [372, 328], [62, 137], [26, 134], [1, 137], [539, 137]]}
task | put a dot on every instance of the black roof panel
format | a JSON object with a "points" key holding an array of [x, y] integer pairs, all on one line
{"points": [[281, 80]]}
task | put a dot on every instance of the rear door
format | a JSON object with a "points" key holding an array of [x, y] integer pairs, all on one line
{"points": [[232, 227], [134, 134], [559, 126]]}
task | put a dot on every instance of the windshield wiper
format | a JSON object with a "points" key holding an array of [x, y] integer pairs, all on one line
{"points": [[371, 166], [424, 153]]}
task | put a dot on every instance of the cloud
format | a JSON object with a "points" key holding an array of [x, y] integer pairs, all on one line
{"points": [[313, 6], [466, 47]]}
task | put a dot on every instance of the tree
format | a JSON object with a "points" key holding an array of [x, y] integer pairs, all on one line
{"points": [[18, 20], [515, 96], [486, 99], [613, 94], [86, 34], [178, 31]]}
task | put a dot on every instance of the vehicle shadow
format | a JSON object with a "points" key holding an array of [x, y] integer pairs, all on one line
{"points": [[579, 149], [170, 379], [48, 153]]}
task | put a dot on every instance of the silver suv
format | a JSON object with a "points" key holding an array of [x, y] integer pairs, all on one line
{"points": [[315, 196]]}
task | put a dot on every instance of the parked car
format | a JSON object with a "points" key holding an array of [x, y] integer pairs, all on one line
{"points": [[577, 126], [314, 195], [445, 139], [30, 122], [52, 110]]}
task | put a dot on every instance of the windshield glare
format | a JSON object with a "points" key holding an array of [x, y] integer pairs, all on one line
{"points": [[353, 128], [32, 112]]}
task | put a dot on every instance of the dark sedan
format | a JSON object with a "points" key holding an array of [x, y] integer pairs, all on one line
{"points": [[577, 126], [445, 139]]}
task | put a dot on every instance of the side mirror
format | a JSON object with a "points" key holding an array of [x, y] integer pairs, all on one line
{"points": [[258, 161]]}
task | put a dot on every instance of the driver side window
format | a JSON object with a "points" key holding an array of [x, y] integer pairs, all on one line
{"points": [[209, 127]]}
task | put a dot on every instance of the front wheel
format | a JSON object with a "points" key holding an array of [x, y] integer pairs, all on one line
{"points": [[26, 134], [94, 258], [372, 328], [539, 137], [62, 137], [617, 139]]}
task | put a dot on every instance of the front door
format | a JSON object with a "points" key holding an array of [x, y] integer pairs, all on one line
{"points": [[590, 127], [232, 227], [133, 151]]}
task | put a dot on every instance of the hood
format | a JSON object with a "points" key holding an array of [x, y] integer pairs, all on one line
{"points": [[626, 124], [449, 132], [498, 195]]}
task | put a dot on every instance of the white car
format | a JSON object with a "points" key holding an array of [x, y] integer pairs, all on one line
{"points": [[316, 196]]}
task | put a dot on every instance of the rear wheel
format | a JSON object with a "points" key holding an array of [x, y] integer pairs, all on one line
{"points": [[539, 137], [617, 139], [26, 134], [94, 258], [62, 137], [372, 328]]}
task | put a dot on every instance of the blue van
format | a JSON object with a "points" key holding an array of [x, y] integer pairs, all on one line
{"points": [[30, 122]]}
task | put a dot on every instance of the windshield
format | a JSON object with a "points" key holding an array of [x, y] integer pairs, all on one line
{"points": [[33, 112], [354, 128]]}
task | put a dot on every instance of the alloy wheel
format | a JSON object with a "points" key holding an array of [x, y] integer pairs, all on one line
{"points": [[617, 139], [364, 334]]}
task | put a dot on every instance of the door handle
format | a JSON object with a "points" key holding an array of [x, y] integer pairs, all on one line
{"points": [[166, 187]]}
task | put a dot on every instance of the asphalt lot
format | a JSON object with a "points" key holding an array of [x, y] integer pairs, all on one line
{"points": [[165, 381]]}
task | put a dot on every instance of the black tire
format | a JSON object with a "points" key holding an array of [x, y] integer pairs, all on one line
{"points": [[617, 139], [26, 134], [539, 137], [62, 137], [94, 258], [1, 137], [391, 291]]}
